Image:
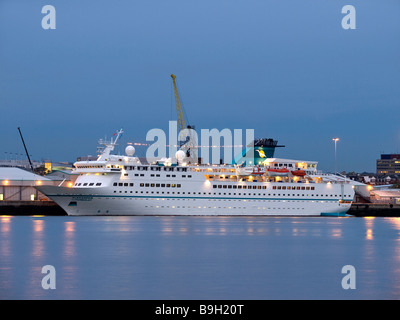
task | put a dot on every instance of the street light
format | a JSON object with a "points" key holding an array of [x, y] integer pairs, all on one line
{"points": [[335, 140]]}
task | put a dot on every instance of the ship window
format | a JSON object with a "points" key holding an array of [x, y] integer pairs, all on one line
{"points": [[115, 184], [157, 185], [303, 188], [178, 185], [163, 185], [98, 184], [239, 187], [168, 185], [214, 186], [85, 184], [189, 176], [131, 184], [126, 184], [152, 185], [120, 184], [224, 186]]}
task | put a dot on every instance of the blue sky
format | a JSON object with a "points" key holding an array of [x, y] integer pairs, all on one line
{"points": [[286, 69]]}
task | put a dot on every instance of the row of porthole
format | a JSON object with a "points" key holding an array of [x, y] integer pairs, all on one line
{"points": [[244, 200]]}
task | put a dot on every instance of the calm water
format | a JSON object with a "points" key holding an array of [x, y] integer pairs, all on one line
{"points": [[199, 257]]}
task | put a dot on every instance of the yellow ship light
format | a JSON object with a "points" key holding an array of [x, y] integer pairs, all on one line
{"points": [[370, 187], [38, 183], [70, 184], [6, 182]]}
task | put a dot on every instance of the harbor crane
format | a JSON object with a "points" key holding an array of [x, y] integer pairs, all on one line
{"points": [[187, 138]]}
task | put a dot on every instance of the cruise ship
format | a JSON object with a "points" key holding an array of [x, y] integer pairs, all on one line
{"points": [[125, 185]]}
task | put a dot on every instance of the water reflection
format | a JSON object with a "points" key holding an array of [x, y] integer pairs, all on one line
{"points": [[191, 257], [395, 222], [69, 240], [369, 225]]}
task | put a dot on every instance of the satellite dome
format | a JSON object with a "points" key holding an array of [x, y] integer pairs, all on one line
{"points": [[130, 150], [180, 155]]}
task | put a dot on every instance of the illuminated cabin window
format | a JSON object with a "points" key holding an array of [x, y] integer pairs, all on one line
{"points": [[1, 197], [32, 197]]}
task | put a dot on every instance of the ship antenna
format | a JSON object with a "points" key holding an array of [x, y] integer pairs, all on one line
{"points": [[109, 145]]}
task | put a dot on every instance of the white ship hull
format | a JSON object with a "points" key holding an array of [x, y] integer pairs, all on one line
{"points": [[82, 201]]}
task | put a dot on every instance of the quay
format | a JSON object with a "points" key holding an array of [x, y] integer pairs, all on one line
{"points": [[31, 208], [50, 208], [374, 210]]}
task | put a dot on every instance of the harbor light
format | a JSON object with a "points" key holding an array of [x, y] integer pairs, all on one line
{"points": [[335, 140]]}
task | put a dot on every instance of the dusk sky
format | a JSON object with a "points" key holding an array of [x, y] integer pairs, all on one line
{"points": [[286, 69]]}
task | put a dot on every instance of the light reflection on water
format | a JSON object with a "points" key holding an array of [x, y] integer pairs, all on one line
{"points": [[199, 257]]}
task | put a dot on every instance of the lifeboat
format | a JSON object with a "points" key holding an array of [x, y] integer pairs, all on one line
{"points": [[258, 170], [299, 173], [248, 171], [277, 172]]}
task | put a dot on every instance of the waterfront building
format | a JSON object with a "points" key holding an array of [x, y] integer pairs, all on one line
{"points": [[388, 164], [17, 184], [391, 196]]}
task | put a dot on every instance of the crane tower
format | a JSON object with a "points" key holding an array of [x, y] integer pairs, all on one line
{"points": [[189, 146]]}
